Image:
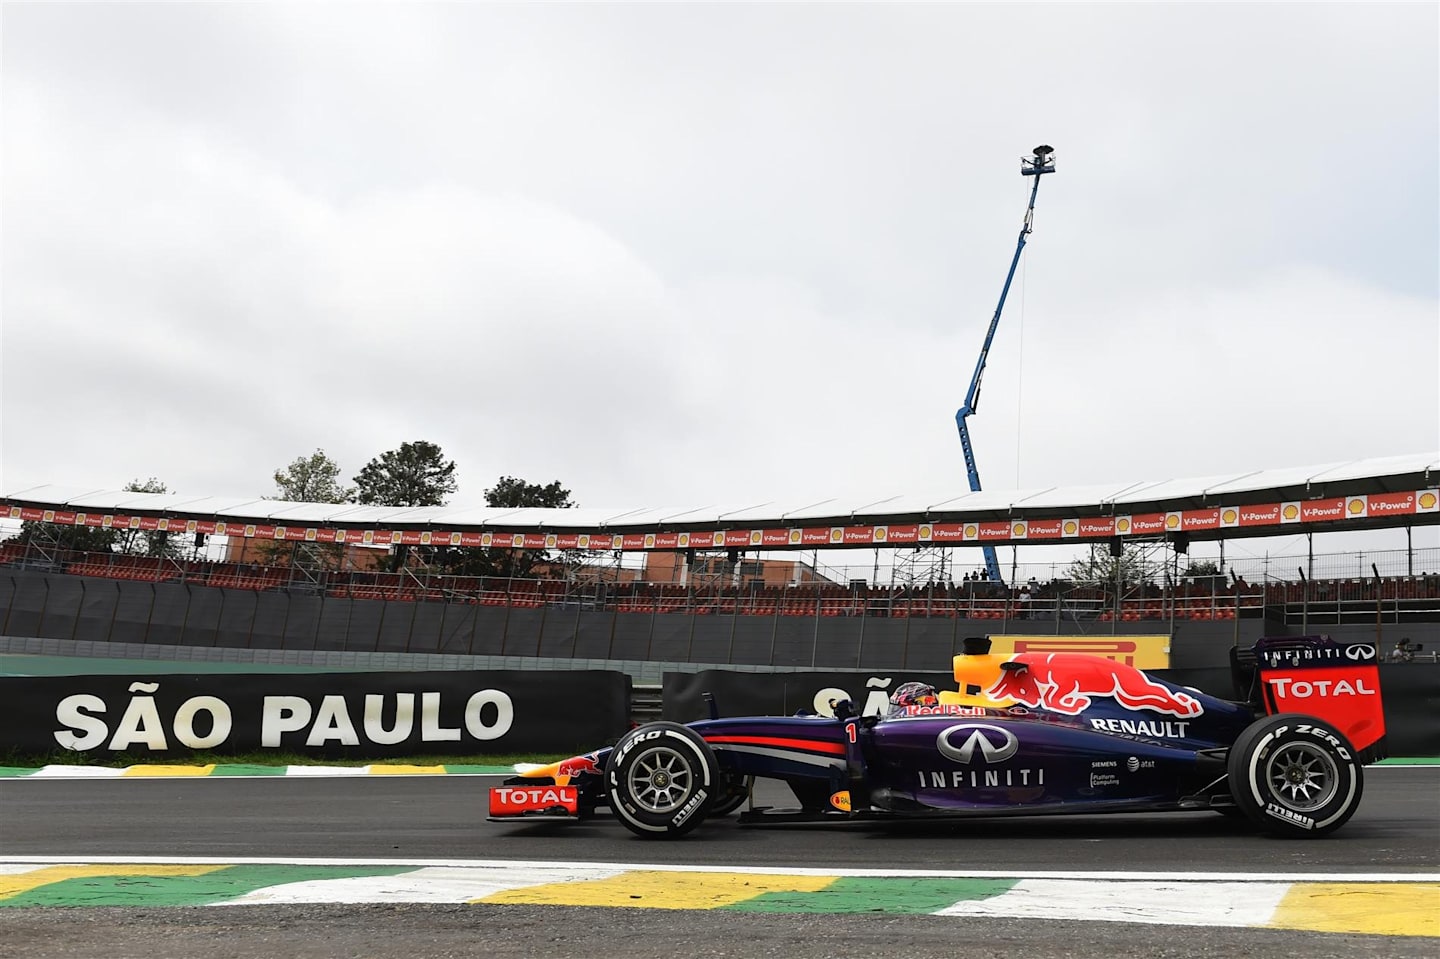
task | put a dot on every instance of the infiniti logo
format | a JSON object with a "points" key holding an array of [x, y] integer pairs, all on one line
{"points": [[1360, 651], [995, 743]]}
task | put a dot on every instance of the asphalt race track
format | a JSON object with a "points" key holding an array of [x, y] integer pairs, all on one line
{"points": [[434, 818]]}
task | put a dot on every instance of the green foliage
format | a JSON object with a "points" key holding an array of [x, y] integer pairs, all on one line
{"points": [[96, 539], [1100, 569], [135, 542], [1204, 567], [312, 479], [416, 474], [509, 491], [84, 539]]}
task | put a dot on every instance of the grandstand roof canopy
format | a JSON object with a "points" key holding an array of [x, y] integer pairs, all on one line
{"points": [[1416, 474]]}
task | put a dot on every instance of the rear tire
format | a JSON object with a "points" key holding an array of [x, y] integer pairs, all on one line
{"points": [[1296, 776], [662, 779]]}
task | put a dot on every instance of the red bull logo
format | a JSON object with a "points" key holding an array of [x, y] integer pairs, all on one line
{"points": [[1068, 683], [575, 766]]}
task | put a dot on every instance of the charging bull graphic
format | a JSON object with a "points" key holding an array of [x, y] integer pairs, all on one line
{"points": [[1066, 683]]}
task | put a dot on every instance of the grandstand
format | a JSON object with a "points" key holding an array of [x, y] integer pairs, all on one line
{"points": [[741, 586]]}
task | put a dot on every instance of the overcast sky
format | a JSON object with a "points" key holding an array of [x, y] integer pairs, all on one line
{"points": [[696, 255]]}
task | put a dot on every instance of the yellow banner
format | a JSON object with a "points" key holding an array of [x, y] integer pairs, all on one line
{"points": [[1142, 652]]}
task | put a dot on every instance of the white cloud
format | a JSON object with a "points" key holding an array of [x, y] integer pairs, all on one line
{"points": [[705, 254]]}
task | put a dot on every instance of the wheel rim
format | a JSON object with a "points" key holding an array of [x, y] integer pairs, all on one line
{"points": [[660, 780], [1302, 776]]}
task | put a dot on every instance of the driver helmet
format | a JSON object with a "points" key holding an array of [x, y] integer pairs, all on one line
{"points": [[913, 694]]}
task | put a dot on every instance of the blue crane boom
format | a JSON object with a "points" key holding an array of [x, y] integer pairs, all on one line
{"points": [[1036, 166]]}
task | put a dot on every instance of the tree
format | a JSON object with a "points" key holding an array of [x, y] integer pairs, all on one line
{"points": [[509, 492], [97, 539], [308, 479], [81, 539], [416, 474], [1203, 567], [1100, 569], [135, 542], [312, 479]]}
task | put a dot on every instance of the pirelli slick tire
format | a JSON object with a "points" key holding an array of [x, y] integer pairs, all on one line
{"points": [[662, 779], [1296, 776]]}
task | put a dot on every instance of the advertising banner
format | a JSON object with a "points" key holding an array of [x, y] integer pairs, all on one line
{"points": [[1142, 652], [359, 715]]}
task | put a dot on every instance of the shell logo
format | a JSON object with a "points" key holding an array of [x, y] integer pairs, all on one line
{"points": [[925, 532], [48, 516], [396, 537], [1018, 530], [455, 539], [14, 512], [794, 536], [280, 533], [517, 540], [105, 521], [1122, 525], [135, 524], [219, 527], [684, 541], [1291, 511], [617, 542], [368, 536], [339, 536], [190, 526], [1172, 521], [1356, 506], [880, 534], [425, 538], [756, 537], [1427, 500], [649, 540], [718, 539], [837, 535], [971, 532], [550, 540], [1229, 516], [311, 534], [1070, 528]]}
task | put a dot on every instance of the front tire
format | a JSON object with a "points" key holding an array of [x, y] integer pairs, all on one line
{"points": [[662, 779], [1296, 776]]}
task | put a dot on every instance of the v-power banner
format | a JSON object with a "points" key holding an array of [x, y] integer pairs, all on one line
{"points": [[360, 715]]}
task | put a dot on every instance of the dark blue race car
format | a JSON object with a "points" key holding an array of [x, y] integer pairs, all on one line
{"points": [[1024, 734]]}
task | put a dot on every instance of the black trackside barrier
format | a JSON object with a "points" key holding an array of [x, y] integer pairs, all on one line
{"points": [[360, 715], [1411, 693]]}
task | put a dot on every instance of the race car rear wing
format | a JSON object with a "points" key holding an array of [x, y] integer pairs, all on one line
{"points": [[1315, 675]]}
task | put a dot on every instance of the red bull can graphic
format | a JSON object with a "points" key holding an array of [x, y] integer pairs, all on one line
{"points": [[1069, 682]]}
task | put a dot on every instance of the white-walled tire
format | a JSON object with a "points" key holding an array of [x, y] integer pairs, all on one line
{"points": [[1296, 776], [662, 779]]}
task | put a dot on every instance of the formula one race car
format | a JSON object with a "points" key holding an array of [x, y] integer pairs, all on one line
{"points": [[1025, 734]]}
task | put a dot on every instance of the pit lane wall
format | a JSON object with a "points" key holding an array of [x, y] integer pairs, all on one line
{"points": [[369, 715], [1411, 694]]}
